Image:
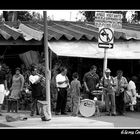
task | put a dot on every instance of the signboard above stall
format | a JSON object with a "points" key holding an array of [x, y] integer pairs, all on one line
{"points": [[109, 20]]}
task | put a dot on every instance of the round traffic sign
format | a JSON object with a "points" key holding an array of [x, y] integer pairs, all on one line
{"points": [[106, 35]]}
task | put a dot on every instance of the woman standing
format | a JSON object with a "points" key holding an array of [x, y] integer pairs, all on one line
{"points": [[17, 84]]}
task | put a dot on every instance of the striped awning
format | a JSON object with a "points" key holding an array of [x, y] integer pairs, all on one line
{"points": [[66, 30]]}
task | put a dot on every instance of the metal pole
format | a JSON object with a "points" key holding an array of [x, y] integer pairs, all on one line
{"points": [[47, 71], [105, 61]]}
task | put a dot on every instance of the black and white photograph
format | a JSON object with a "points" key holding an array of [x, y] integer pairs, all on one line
{"points": [[70, 69]]}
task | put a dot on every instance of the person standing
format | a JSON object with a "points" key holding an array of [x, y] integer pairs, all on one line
{"points": [[131, 91], [91, 81], [62, 83], [17, 85], [36, 89], [16, 89], [121, 86], [108, 89], [3, 87], [75, 87]]}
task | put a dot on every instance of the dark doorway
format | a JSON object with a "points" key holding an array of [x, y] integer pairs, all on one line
{"points": [[12, 61]]}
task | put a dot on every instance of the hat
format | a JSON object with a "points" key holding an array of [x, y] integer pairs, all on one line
{"points": [[17, 69], [107, 70]]}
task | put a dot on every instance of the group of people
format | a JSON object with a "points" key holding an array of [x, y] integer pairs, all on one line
{"points": [[114, 89], [16, 87]]}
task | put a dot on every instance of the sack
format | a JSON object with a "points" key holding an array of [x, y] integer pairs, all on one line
{"points": [[10, 118], [127, 98], [15, 118]]}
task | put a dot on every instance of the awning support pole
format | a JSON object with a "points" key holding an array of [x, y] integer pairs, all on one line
{"points": [[47, 71]]}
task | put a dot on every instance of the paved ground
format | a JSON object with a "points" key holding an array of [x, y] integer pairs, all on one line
{"points": [[62, 121], [130, 120]]}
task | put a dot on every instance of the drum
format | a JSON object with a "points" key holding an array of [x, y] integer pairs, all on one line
{"points": [[87, 107]]}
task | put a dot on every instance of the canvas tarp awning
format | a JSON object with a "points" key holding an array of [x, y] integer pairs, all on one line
{"points": [[30, 57], [90, 49]]}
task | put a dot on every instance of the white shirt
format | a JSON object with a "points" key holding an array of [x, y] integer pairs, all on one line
{"points": [[131, 85], [33, 79], [61, 78]]}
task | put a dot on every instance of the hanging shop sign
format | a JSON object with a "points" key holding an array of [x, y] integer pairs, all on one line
{"points": [[109, 20]]}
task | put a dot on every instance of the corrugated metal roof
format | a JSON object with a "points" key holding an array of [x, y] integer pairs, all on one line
{"points": [[63, 30]]}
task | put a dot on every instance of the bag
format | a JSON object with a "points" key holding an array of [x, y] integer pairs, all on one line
{"points": [[13, 118], [127, 98], [10, 118]]}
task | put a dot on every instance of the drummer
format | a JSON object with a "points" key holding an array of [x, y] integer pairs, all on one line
{"points": [[91, 82]]}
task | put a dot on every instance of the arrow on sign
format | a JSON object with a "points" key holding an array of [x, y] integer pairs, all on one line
{"points": [[104, 33], [105, 45]]}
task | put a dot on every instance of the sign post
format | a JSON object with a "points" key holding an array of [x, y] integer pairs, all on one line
{"points": [[105, 61], [105, 40], [106, 22]]}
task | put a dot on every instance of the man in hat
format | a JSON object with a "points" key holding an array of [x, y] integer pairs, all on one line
{"points": [[108, 89]]}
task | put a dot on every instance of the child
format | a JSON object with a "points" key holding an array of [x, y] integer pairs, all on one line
{"points": [[75, 93]]}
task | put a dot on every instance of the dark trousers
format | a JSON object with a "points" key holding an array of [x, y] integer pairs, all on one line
{"points": [[34, 106], [120, 106], [61, 100], [12, 105]]}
